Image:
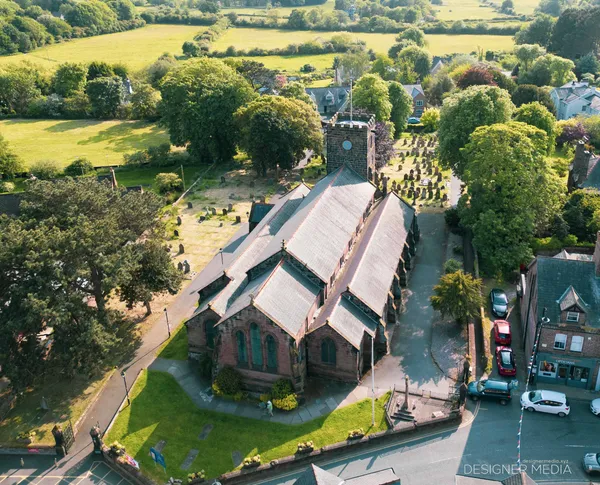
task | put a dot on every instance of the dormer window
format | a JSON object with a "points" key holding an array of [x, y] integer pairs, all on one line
{"points": [[573, 317]]}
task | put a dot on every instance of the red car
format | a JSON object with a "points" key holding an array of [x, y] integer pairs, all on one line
{"points": [[502, 334], [506, 361]]}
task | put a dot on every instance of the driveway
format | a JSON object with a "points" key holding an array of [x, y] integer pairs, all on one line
{"points": [[410, 349]]}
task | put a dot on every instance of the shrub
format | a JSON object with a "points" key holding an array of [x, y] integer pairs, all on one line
{"points": [[117, 449], [452, 218], [282, 388], [45, 169], [356, 433], [7, 187], [136, 158], [308, 445], [430, 120], [201, 475], [288, 403], [253, 460], [228, 381], [168, 182], [78, 167], [452, 266]]}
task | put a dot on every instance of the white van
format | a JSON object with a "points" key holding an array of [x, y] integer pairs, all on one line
{"points": [[546, 402]]}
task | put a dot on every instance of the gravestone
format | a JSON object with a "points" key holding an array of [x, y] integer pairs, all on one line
{"points": [[439, 178], [412, 184], [176, 233], [213, 211], [444, 197], [238, 219], [418, 177], [181, 249], [437, 193], [205, 431], [423, 194], [224, 212], [178, 220], [190, 205], [405, 177], [202, 219], [430, 194], [186, 267], [189, 459], [232, 196], [180, 266]]}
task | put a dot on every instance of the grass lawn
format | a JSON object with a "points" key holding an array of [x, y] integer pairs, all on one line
{"points": [[160, 410], [281, 11], [67, 399], [103, 142], [438, 44], [136, 48], [177, 346], [292, 64], [145, 176]]}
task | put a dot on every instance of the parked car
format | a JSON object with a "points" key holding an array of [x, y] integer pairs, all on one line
{"points": [[490, 389], [551, 402], [502, 333], [499, 302], [506, 361], [591, 462], [595, 407], [413, 120]]}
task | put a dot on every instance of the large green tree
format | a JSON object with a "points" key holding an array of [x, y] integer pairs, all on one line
{"points": [[418, 58], [402, 107], [549, 70], [458, 295], [106, 95], [528, 93], [276, 130], [539, 31], [199, 98], [69, 78], [462, 113], [10, 163], [576, 32], [527, 53], [582, 214], [512, 193], [413, 34], [536, 114], [371, 93]]}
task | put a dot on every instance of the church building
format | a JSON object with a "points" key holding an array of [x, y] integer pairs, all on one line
{"points": [[317, 282]]}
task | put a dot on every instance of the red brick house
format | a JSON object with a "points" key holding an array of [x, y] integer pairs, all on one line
{"points": [[419, 100], [309, 287]]}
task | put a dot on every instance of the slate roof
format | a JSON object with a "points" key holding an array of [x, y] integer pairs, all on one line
{"points": [[413, 89], [570, 298], [576, 90], [381, 250], [334, 98], [382, 477], [592, 180], [317, 476], [566, 255], [519, 479], [350, 322], [258, 211], [555, 276]]}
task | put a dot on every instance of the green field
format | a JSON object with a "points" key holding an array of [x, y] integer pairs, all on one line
{"points": [[103, 142], [281, 11], [136, 48], [438, 44]]}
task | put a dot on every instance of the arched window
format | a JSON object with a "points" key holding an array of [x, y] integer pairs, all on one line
{"points": [[255, 345], [328, 351], [271, 353], [209, 330], [242, 355]]}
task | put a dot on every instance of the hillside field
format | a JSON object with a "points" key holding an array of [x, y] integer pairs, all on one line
{"points": [[103, 142]]}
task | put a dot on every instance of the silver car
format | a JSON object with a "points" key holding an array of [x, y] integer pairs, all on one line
{"points": [[591, 462], [595, 407]]}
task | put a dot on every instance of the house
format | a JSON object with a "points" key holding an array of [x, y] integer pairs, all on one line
{"points": [[437, 64], [317, 476], [584, 171], [312, 289], [419, 99], [330, 100], [560, 301], [576, 98]]}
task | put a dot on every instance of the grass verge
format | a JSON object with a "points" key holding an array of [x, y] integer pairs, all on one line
{"points": [[160, 410], [177, 346]]}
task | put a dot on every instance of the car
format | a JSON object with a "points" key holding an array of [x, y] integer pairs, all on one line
{"points": [[502, 333], [551, 402], [591, 462], [595, 407], [499, 303], [506, 361], [413, 120], [490, 389]]}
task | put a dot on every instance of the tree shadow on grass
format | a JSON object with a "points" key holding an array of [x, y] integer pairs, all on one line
{"points": [[124, 137], [64, 126]]}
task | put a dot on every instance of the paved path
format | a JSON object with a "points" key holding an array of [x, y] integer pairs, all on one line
{"points": [[410, 352]]}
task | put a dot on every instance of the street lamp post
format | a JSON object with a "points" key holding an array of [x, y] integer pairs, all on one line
{"points": [[168, 326], [126, 390]]}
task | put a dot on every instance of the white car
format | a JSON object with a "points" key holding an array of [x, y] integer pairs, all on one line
{"points": [[546, 402], [595, 407]]}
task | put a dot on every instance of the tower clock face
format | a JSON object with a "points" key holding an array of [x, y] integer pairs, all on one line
{"points": [[347, 144]]}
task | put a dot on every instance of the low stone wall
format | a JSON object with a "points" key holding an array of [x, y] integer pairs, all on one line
{"points": [[134, 476]]}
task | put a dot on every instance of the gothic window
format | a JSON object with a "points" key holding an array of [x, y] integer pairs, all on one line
{"points": [[271, 353], [255, 345], [242, 356], [328, 352], [209, 330]]}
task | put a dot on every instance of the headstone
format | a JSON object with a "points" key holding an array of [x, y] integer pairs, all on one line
{"points": [[232, 196], [405, 176], [176, 233], [213, 211], [412, 184], [439, 177], [186, 267], [430, 194], [180, 266], [224, 212], [423, 194], [205, 431], [190, 205], [178, 220], [399, 167], [418, 177], [202, 219], [189, 459], [181, 249], [444, 197], [238, 219], [437, 193]]}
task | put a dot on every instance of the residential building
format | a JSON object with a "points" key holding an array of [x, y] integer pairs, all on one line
{"points": [[317, 476], [419, 99], [329, 101], [574, 99], [311, 290], [560, 301], [437, 64], [584, 171]]}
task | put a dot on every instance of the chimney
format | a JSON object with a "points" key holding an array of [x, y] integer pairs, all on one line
{"points": [[596, 256]]}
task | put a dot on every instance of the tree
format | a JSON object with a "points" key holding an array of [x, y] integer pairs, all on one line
{"points": [[191, 49], [430, 119], [569, 131], [354, 64], [44, 169], [441, 84], [549, 70], [371, 93], [413, 34], [19, 86], [452, 266], [551, 7], [384, 144], [199, 98], [587, 64], [98, 69], [295, 90], [458, 295], [402, 106], [418, 58], [79, 167], [576, 32], [277, 130], [535, 114], [507, 7], [528, 93], [383, 66], [168, 182], [462, 113], [538, 31], [527, 53], [106, 95], [69, 78], [581, 213], [144, 102], [513, 194], [10, 163], [152, 273], [477, 75], [256, 74]]}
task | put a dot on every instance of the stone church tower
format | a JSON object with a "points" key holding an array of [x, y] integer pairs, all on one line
{"points": [[351, 143]]}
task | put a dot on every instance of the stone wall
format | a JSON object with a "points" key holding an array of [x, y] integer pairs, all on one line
{"points": [[197, 334], [347, 357]]}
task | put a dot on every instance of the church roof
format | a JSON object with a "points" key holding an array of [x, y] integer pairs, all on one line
{"points": [[317, 476], [380, 250], [350, 322]]}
